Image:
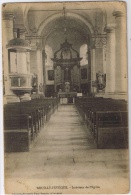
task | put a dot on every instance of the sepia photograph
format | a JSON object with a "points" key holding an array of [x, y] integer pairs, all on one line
{"points": [[65, 97]]}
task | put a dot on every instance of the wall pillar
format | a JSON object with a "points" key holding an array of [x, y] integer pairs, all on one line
{"points": [[79, 72], [121, 53], [40, 71], [104, 41], [93, 69], [110, 59]]}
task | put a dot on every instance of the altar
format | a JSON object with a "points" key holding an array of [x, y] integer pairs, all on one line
{"points": [[67, 97], [66, 63]]}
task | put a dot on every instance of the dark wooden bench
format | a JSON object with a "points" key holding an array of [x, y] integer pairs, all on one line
{"points": [[111, 129], [109, 106], [38, 112], [20, 109], [89, 109], [17, 133]]}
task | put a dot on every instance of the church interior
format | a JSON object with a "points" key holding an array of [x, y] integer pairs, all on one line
{"points": [[65, 96]]}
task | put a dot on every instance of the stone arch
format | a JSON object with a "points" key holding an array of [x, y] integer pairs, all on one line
{"points": [[77, 17], [54, 30], [68, 14], [26, 9]]}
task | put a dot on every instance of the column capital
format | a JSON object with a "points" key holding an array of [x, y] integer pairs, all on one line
{"points": [[7, 16], [110, 28], [118, 13], [92, 44]]}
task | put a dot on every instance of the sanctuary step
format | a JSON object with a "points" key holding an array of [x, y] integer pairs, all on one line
{"points": [[67, 97]]}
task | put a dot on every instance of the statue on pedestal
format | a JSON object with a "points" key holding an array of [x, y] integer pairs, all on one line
{"points": [[67, 86], [101, 81]]}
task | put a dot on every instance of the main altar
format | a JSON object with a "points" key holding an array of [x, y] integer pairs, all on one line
{"points": [[66, 63]]}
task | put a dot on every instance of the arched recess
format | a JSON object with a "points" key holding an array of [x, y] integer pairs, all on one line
{"points": [[45, 31]]}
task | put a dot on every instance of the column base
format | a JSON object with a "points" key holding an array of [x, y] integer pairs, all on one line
{"points": [[37, 96], [10, 99], [113, 95], [100, 94]]}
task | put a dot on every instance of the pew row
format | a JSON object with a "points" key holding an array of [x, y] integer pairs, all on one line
{"points": [[107, 120], [111, 129], [23, 122], [18, 132]]}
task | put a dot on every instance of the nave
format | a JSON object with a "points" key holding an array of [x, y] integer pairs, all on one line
{"points": [[56, 56], [64, 154]]}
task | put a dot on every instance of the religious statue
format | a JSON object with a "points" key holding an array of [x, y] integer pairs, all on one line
{"points": [[34, 83], [101, 81], [40, 87], [67, 86]]}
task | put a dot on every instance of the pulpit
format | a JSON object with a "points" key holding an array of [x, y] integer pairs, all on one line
{"points": [[19, 66]]}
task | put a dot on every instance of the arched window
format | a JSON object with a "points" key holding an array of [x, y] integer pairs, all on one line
{"points": [[49, 55], [84, 54]]}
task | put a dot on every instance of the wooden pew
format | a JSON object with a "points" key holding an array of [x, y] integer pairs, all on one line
{"points": [[107, 106], [111, 129], [37, 111], [20, 109], [88, 107], [17, 133]]}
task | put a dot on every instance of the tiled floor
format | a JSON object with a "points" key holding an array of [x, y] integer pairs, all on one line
{"points": [[64, 154]]}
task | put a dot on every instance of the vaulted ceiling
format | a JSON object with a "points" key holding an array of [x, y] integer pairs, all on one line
{"points": [[55, 21]]}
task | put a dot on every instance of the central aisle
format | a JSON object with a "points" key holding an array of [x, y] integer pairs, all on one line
{"points": [[65, 134], [64, 154]]}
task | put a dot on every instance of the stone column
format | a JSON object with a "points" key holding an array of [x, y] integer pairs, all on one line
{"points": [[79, 72], [7, 35], [44, 70], [55, 78], [110, 59], [62, 78], [28, 61], [40, 71], [104, 42], [93, 69], [121, 52]]}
